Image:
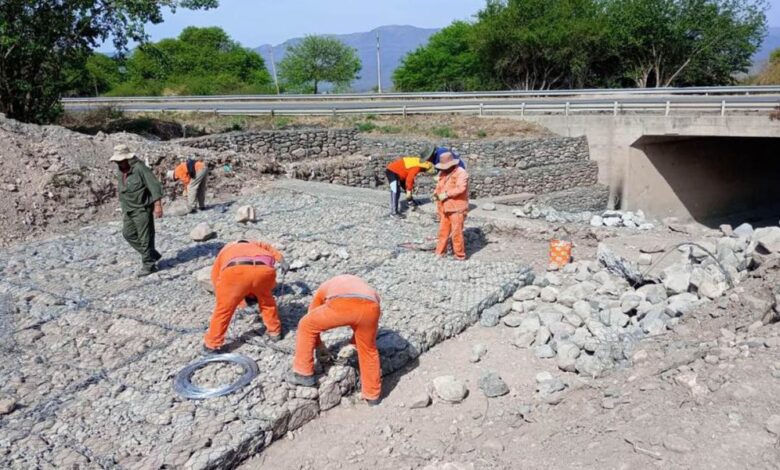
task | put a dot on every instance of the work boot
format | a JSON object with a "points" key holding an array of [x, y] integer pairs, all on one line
{"points": [[207, 350], [374, 402], [156, 255], [146, 270], [274, 338], [295, 378]]}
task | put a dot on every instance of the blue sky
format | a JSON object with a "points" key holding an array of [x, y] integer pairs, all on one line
{"points": [[257, 22]]}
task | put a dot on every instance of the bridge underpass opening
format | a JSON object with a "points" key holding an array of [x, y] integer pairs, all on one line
{"points": [[712, 180]]}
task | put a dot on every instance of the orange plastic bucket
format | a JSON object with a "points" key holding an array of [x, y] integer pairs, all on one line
{"points": [[560, 253]]}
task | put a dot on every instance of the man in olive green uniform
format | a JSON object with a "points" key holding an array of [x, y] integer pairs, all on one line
{"points": [[140, 195]]}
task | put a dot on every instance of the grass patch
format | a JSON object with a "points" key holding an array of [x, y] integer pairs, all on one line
{"points": [[481, 133], [282, 121], [366, 126], [389, 129], [371, 117], [444, 132]]}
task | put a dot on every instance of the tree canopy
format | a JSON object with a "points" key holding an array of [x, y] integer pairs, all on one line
{"points": [[542, 44], [41, 40], [318, 59], [447, 63], [201, 61]]}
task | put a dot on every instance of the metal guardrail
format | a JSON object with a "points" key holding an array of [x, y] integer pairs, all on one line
{"points": [[726, 90], [616, 107]]}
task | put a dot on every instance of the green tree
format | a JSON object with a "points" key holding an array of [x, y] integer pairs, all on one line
{"points": [[99, 74], [201, 61], [684, 42], [41, 40], [447, 63], [318, 59], [541, 44]]}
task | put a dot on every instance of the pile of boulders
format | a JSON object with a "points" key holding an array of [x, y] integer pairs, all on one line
{"points": [[626, 219], [610, 218], [589, 315]]}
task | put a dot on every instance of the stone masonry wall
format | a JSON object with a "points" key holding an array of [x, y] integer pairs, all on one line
{"points": [[496, 167], [283, 145]]}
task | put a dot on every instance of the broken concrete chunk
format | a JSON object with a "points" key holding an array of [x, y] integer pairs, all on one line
{"points": [[677, 279]]}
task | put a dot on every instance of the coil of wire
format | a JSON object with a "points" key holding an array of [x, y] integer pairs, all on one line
{"points": [[183, 386]]}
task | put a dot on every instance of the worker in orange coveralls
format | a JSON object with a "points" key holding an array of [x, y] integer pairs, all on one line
{"points": [[193, 175], [452, 200], [344, 300], [244, 270], [401, 174]]}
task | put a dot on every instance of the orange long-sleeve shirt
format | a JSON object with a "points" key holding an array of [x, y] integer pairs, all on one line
{"points": [[181, 173], [235, 250], [456, 185], [344, 285], [407, 175]]}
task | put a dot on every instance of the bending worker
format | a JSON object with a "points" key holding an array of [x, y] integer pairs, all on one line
{"points": [[140, 195], [244, 271], [344, 300], [193, 175], [452, 200], [401, 174]]}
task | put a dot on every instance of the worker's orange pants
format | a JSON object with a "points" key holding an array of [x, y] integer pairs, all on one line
{"points": [[359, 314], [235, 284], [451, 225]]}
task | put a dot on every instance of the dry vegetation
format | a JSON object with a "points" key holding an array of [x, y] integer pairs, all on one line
{"points": [[437, 126]]}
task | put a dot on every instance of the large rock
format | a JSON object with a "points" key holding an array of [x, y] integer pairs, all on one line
{"points": [[202, 232], [523, 339], [744, 231], [513, 320], [330, 395], [590, 366], [653, 293], [547, 384], [450, 389], [203, 278], [549, 294], [492, 385], [245, 214], [567, 355], [420, 400], [681, 304], [527, 293], [677, 279], [767, 240], [618, 265]]}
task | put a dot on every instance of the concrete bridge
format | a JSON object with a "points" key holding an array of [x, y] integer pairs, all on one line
{"points": [[712, 169]]}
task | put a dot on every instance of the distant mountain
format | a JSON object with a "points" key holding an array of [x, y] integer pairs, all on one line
{"points": [[396, 42], [771, 42]]}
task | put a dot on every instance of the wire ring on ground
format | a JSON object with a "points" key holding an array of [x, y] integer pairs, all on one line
{"points": [[182, 383]]}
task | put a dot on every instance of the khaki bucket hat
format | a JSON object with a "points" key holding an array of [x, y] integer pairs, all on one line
{"points": [[122, 152]]}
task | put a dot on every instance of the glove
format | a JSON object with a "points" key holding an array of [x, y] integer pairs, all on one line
{"points": [[441, 196], [408, 195], [282, 267]]}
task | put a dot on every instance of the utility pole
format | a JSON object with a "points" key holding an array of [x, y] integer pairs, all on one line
{"points": [[378, 66], [273, 68]]}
